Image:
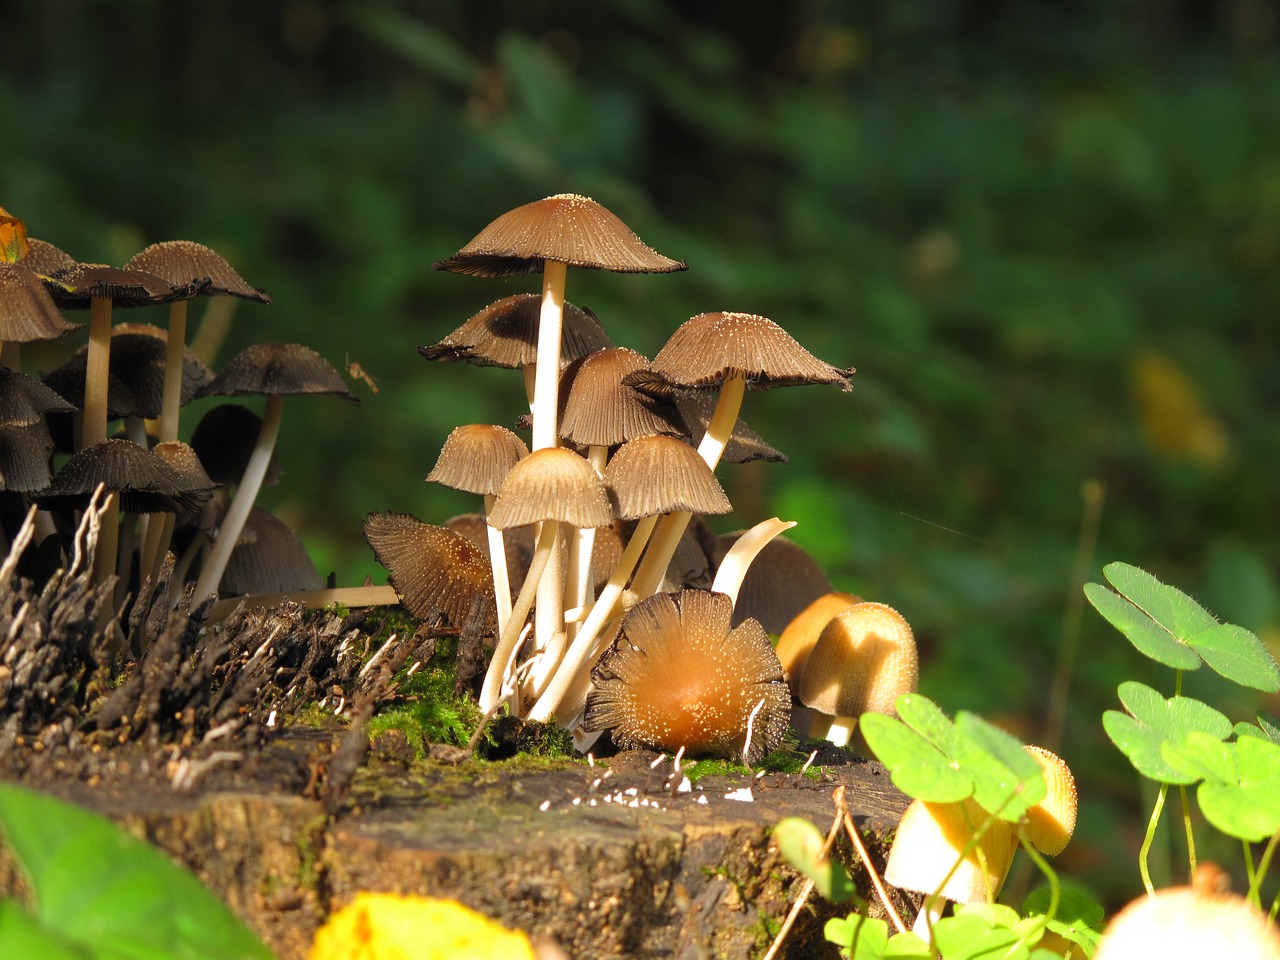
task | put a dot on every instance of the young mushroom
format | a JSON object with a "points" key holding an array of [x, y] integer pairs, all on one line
{"points": [[802, 632]]}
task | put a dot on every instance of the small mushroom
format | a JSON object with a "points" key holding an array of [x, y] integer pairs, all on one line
{"points": [[680, 676], [1052, 821], [268, 558], [798, 637]]}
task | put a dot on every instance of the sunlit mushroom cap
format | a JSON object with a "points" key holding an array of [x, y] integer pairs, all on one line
{"points": [[567, 228], [657, 474], [186, 263], [477, 457], [278, 368], [552, 484], [781, 581], [1052, 821], [930, 839], [268, 558], [146, 483], [709, 348], [678, 676], [505, 334], [1183, 923], [224, 440], [598, 409], [864, 659], [182, 458], [798, 637], [27, 311], [518, 543], [433, 570]]}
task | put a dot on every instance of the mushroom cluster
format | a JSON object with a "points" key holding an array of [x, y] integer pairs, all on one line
{"points": [[623, 618]]}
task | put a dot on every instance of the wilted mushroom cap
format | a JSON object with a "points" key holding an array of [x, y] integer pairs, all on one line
{"points": [[278, 368], [709, 348], [477, 457], [146, 483], [552, 484], [598, 409], [678, 676], [505, 334], [1052, 821], [930, 840], [695, 409], [864, 659], [75, 287], [27, 311], [657, 474], [798, 637], [567, 228], [25, 450], [24, 400], [268, 558], [518, 543], [433, 569], [225, 438], [190, 264], [781, 581]]}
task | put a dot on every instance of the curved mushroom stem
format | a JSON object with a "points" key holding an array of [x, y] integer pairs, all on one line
{"points": [[733, 568], [491, 691], [498, 564], [246, 493]]}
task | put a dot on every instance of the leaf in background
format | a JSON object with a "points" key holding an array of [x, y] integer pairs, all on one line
{"points": [[801, 843], [1144, 632], [1153, 721], [95, 885], [859, 937], [1007, 779], [1078, 919], [13, 237], [426, 47], [1241, 791], [917, 749], [1267, 728]]}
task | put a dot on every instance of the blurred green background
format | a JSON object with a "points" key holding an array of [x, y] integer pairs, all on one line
{"points": [[1047, 235]]}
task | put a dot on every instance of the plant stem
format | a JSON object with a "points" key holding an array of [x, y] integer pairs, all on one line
{"points": [[1255, 886], [1055, 889], [1186, 825], [1150, 837]]}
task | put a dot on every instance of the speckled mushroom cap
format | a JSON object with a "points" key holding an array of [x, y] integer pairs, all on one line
{"points": [[930, 839], [863, 660], [552, 484], [145, 482], [798, 637], [278, 368], [46, 259], [25, 450], [1052, 821], [505, 334], [518, 543], [782, 580], [709, 348], [24, 400], [27, 311], [568, 228], [477, 457], [185, 263], [433, 570], [657, 474], [600, 410], [678, 676], [75, 287]]}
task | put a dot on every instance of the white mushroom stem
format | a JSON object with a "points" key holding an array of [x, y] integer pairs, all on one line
{"points": [[547, 375], [491, 691], [93, 426], [246, 493], [577, 586], [176, 341], [930, 913], [498, 564], [733, 568], [654, 566]]}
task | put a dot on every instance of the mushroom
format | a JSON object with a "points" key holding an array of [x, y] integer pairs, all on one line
{"points": [[268, 558], [25, 441], [276, 370], [679, 676], [783, 580], [224, 440], [799, 636], [863, 660], [1051, 822]]}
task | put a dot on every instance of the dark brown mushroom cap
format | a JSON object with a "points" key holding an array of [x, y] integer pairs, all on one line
{"points": [[45, 259], [268, 558], [224, 440], [477, 457], [25, 450], [278, 368], [25, 401], [709, 348], [781, 581], [433, 570], [552, 484], [185, 263], [695, 409], [146, 483], [657, 474], [75, 287], [518, 543], [678, 676], [27, 311], [598, 409], [135, 373], [505, 334], [567, 228]]}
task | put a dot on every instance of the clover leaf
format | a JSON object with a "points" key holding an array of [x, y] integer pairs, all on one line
{"points": [[801, 843], [1153, 721], [918, 747], [1240, 794], [1078, 918]]}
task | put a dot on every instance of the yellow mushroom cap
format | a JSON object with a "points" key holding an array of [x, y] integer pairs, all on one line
{"points": [[1182, 923], [863, 660], [931, 838], [1051, 822], [802, 632]]}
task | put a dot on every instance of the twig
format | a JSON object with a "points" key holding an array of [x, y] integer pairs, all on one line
{"points": [[808, 883], [856, 839]]}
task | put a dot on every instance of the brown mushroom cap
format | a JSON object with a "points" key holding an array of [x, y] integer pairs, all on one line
{"points": [[781, 581], [27, 311], [45, 259], [505, 334], [145, 482], [185, 263], [678, 676], [709, 348], [25, 449], [268, 558], [798, 637], [695, 408], [552, 484], [518, 543], [280, 369], [600, 410], [1052, 821], [25, 401], [477, 457], [74, 287], [433, 570], [224, 439], [930, 839], [566, 228], [657, 474], [863, 660]]}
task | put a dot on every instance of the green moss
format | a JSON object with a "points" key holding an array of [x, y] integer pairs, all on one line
{"points": [[780, 761], [427, 711]]}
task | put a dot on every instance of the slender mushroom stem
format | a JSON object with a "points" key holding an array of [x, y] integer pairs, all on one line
{"points": [[176, 341], [547, 373], [498, 564], [246, 493], [577, 588], [733, 568], [93, 427]]}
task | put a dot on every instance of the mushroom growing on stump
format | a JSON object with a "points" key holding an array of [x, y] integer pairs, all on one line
{"points": [[679, 676], [276, 370], [863, 660], [797, 639], [1052, 821]]}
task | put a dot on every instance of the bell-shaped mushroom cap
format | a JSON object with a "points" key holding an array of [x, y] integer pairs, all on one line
{"points": [[552, 484], [678, 676], [146, 483], [433, 569], [864, 659], [278, 368], [695, 408], [185, 263], [477, 457], [505, 334], [598, 409], [45, 259], [268, 558], [930, 839], [25, 401], [1052, 821], [657, 474], [567, 228], [27, 311], [798, 637], [74, 287], [781, 581], [25, 449], [709, 348], [224, 439], [182, 458]]}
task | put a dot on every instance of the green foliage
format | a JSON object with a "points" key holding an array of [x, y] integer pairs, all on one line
{"points": [[427, 710], [100, 894], [804, 846], [1077, 917]]}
